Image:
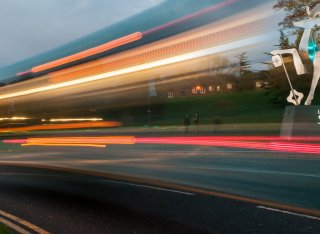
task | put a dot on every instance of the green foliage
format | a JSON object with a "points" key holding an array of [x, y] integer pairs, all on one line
{"points": [[227, 107], [220, 107], [4, 229], [295, 11], [280, 88], [299, 33], [244, 63], [283, 41]]}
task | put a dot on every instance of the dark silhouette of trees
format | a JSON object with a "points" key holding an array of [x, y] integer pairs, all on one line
{"points": [[219, 68], [295, 11], [244, 64], [283, 41], [218, 65], [244, 71]]}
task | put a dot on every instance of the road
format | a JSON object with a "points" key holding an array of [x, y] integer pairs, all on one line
{"points": [[65, 202], [233, 189]]}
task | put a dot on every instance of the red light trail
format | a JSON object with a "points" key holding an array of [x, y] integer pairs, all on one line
{"points": [[272, 143]]}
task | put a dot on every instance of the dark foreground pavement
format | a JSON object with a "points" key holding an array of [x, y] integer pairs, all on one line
{"points": [[68, 202]]}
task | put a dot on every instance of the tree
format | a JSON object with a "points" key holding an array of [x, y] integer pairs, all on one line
{"points": [[295, 11], [244, 64], [218, 65], [283, 41], [244, 70], [218, 68]]}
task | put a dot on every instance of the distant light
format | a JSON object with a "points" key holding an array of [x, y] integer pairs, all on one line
{"points": [[198, 88]]}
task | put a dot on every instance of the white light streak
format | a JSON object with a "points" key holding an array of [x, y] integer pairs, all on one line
{"points": [[176, 59]]}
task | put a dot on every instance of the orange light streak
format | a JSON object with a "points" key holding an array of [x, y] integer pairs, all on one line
{"points": [[107, 140], [271, 144], [184, 43], [101, 124], [74, 145], [100, 142], [83, 54]]}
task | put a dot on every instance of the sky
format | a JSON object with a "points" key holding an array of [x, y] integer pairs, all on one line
{"points": [[30, 27]]}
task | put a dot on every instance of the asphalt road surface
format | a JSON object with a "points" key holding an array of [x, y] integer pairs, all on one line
{"points": [[165, 189], [65, 202]]}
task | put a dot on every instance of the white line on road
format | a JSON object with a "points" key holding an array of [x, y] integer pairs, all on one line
{"points": [[150, 187], [288, 212], [256, 171], [23, 222]]}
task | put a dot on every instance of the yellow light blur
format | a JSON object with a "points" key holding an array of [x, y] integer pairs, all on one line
{"points": [[75, 119], [73, 145], [89, 124], [14, 118], [103, 140]]}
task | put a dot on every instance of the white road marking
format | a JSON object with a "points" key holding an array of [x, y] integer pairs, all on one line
{"points": [[256, 171], [288, 212], [23, 222], [283, 173], [150, 187], [13, 226]]}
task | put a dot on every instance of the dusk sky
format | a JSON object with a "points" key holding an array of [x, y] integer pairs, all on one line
{"points": [[29, 27]]}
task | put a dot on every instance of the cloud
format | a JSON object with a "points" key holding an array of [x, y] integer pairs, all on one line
{"points": [[34, 26]]}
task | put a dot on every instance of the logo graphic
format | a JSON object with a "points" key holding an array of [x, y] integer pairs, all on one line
{"points": [[308, 53]]}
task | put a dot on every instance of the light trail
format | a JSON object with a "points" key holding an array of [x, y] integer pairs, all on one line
{"points": [[291, 147], [176, 59], [66, 145], [14, 118], [189, 41], [245, 138], [83, 54], [125, 40], [98, 124], [74, 119], [104, 140], [251, 142], [207, 10]]}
